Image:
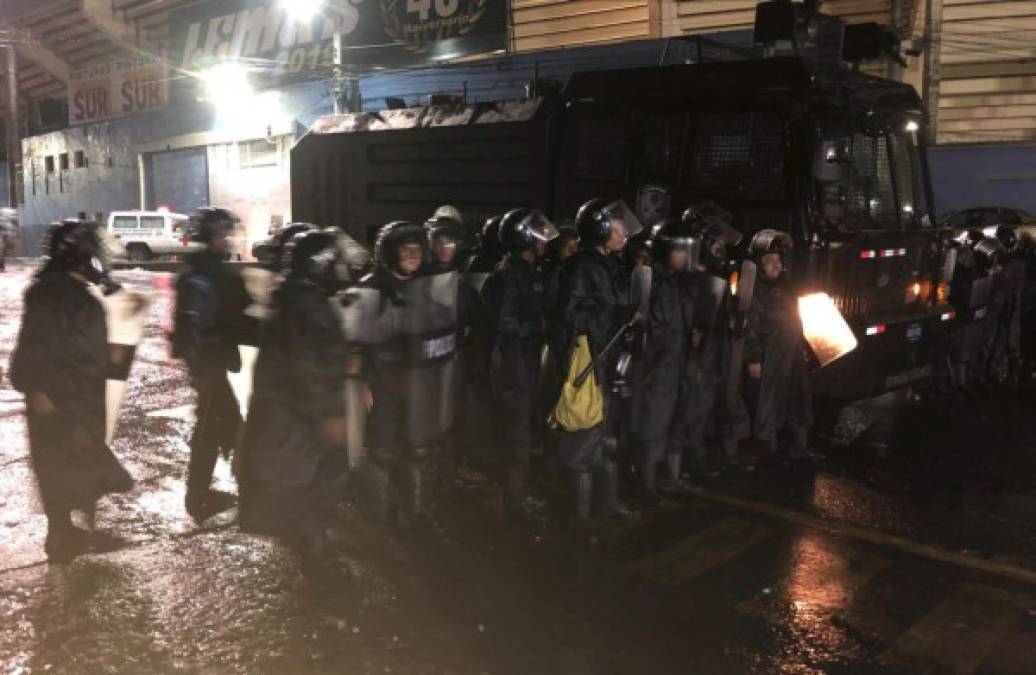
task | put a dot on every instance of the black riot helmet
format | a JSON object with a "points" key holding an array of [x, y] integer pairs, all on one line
{"points": [[566, 233], [672, 235], [711, 225], [280, 254], [490, 239], [638, 249], [391, 237], [770, 241], [450, 231], [75, 246], [314, 257], [1008, 237], [598, 218], [989, 253], [207, 222], [524, 229], [973, 236]]}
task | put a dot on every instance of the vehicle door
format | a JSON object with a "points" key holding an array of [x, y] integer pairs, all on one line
{"points": [[126, 228], [153, 231]]}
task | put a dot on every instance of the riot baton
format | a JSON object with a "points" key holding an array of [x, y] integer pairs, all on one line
{"points": [[611, 343]]}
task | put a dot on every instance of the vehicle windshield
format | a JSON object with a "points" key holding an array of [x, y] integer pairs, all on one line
{"points": [[870, 181]]}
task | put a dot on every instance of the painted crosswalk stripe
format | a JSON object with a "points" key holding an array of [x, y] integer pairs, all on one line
{"points": [[702, 551], [957, 635], [823, 577]]}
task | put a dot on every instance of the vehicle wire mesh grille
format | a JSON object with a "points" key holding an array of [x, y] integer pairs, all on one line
{"points": [[870, 191], [740, 156]]}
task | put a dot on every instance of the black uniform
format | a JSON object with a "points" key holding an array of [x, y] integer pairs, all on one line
{"points": [[593, 300], [663, 368], [287, 471], [62, 351], [706, 405], [210, 324], [515, 298], [781, 397]]}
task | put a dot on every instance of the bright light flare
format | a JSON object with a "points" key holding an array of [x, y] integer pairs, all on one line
{"points": [[227, 86], [911, 126], [302, 11], [824, 328]]}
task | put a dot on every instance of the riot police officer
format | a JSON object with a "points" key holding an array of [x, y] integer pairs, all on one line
{"points": [[280, 252], [444, 238], [515, 298], [474, 412], [293, 456], [593, 300], [210, 323], [60, 363], [706, 401], [777, 382], [1006, 348], [406, 345], [667, 337], [489, 251]]}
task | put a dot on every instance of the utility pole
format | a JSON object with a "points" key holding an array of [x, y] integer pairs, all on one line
{"points": [[932, 65], [14, 150], [346, 87]]}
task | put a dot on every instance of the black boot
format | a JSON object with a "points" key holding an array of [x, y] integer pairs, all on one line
{"points": [[647, 483], [582, 497], [675, 484], [415, 496], [800, 448], [610, 504]]}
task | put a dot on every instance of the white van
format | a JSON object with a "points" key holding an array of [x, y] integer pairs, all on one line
{"points": [[149, 234]]}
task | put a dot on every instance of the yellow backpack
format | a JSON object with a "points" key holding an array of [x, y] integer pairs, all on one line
{"points": [[583, 407]]}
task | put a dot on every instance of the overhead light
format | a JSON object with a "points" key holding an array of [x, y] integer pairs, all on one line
{"points": [[302, 11], [911, 126], [226, 85], [907, 208]]}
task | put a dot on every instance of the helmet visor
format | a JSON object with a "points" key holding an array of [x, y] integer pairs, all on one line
{"points": [[539, 226], [718, 228], [621, 216]]}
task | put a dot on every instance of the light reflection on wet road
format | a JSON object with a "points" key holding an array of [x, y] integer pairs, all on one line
{"points": [[702, 587]]}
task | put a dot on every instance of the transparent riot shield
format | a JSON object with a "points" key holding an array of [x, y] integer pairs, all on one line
{"points": [[126, 313], [429, 331], [710, 294], [365, 324], [476, 280]]}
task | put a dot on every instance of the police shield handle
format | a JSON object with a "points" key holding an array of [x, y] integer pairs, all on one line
{"points": [[126, 312], [745, 291]]}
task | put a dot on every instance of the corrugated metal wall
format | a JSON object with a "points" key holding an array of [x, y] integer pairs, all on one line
{"points": [[543, 24], [704, 16], [988, 54]]}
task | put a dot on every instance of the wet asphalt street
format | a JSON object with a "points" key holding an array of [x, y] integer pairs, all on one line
{"points": [[910, 550]]}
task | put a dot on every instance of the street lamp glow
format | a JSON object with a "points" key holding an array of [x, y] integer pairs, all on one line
{"points": [[302, 11], [912, 126], [226, 84]]}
